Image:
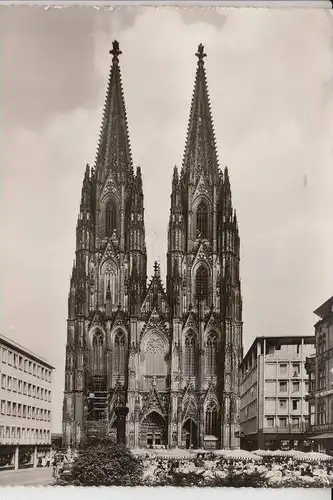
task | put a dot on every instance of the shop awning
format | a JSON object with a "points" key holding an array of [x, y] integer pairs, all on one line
{"points": [[323, 436]]}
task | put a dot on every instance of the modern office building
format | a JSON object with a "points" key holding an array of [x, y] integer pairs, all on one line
{"points": [[25, 406], [319, 367], [273, 387]]}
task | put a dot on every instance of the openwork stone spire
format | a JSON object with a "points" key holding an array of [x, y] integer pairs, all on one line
{"points": [[114, 151], [200, 149]]}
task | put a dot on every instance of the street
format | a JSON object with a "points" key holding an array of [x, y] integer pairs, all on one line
{"points": [[27, 477]]}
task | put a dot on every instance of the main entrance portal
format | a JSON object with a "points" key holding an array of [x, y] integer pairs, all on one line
{"points": [[189, 434], [153, 431]]}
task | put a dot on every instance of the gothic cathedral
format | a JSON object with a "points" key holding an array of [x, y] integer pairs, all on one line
{"points": [[164, 361]]}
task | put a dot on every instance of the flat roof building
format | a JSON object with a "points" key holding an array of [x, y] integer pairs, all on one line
{"points": [[25, 406], [320, 370], [273, 387]]}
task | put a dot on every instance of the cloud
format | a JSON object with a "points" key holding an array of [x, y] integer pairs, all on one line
{"points": [[51, 61], [211, 15]]}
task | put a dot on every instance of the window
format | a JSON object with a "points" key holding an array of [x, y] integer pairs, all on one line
{"points": [[283, 404], [211, 425], [3, 407], [283, 368], [98, 361], [9, 383], [202, 220], [322, 377], [155, 355], [9, 408], [20, 362], [295, 387], [211, 354], [110, 218], [295, 422], [270, 421], [321, 413], [295, 404], [3, 381], [296, 369], [190, 356], [4, 355], [283, 386], [201, 283], [283, 422], [119, 347], [270, 405]]}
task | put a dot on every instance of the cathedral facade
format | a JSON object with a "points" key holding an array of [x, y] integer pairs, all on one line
{"points": [[164, 359]]}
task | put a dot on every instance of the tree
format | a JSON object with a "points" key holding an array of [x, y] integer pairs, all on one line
{"points": [[105, 464]]}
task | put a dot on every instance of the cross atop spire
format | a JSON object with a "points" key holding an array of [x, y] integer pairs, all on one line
{"points": [[115, 52], [201, 54]]}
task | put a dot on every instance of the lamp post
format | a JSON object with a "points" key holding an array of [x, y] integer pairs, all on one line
{"points": [[121, 412]]}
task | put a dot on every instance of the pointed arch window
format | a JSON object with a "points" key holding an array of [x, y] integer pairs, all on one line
{"points": [[98, 353], [119, 353], [110, 284], [202, 220], [211, 422], [190, 356], [201, 283], [154, 353], [110, 218], [211, 356]]}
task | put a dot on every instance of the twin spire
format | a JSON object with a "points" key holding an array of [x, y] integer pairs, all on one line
{"points": [[114, 150], [200, 155]]}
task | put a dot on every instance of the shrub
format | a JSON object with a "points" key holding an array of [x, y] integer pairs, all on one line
{"points": [[105, 464]]}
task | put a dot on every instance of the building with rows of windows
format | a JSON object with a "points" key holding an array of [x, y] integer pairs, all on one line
{"points": [[25, 405], [169, 356], [320, 370], [273, 390]]}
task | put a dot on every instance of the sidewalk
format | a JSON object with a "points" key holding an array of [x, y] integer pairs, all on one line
{"points": [[27, 477]]}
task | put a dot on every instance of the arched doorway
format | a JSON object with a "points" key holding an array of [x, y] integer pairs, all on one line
{"points": [[189, 434], [153, 431]]}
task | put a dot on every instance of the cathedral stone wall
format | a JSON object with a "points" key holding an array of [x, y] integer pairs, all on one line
{"points": [[169, 356]]}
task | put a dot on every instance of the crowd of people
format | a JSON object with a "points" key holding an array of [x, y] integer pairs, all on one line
{"points": [[275, 470], [62, 461]]}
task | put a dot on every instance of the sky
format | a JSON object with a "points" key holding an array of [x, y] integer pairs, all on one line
{"points": [[270, 77]]}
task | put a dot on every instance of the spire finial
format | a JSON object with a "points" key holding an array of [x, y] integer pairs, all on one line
{"points": [[156, 268], [115, 51], [201, 53]]}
